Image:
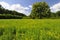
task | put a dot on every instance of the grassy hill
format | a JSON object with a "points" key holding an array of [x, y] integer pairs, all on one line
{"points": [[29, 29]]}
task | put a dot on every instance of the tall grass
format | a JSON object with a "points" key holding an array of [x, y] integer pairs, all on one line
{"points": [[29, 29]]}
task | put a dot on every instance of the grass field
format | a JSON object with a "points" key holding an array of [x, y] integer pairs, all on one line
{"points": [[29, 29]]}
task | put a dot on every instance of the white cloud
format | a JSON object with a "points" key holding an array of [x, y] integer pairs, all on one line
{"points": [[30, 6], [5, 5], [55, 7], [16, 7]]}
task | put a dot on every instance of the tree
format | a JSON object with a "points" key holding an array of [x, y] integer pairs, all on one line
{"points": [[8, 14], [58, 13], [1, 9], [40, 10]]}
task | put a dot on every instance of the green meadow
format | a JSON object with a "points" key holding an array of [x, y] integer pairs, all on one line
{"points": [[29, 29]]}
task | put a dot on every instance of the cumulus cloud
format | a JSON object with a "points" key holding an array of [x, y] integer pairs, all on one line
{"points": [[16, 7], [55, 7], [30, 6]]}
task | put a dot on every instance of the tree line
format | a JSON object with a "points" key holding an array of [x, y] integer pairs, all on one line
{"points": [[40, 10], [8, 14]]}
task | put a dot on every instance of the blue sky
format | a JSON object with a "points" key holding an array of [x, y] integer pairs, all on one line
{"points": [[30, 2], [27, 4]]}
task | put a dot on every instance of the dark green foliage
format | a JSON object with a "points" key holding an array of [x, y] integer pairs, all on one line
{"points": [[58, 13], [55, 15], [40, 10], [8, 14]]}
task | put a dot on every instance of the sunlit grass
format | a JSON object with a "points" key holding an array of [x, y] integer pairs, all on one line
{"points": [[30, 29]]}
